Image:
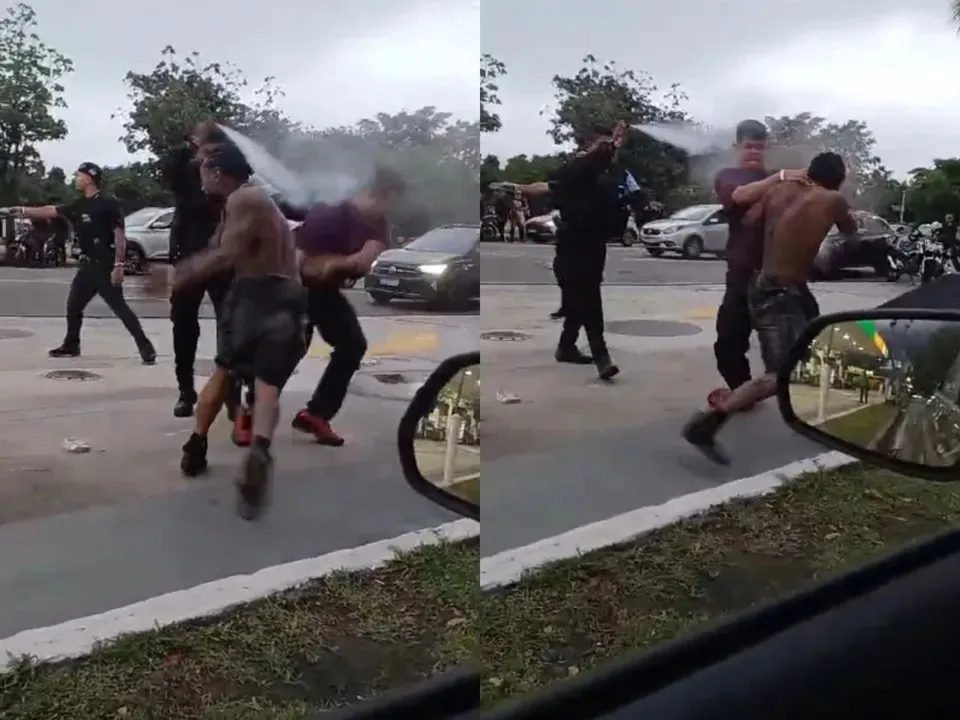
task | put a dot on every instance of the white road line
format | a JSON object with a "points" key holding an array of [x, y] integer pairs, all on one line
{"points": [[509, 566], [78, 637]]}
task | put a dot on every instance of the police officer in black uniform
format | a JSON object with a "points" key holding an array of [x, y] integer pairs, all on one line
{"points": [[587, 193], [195, 221], [97, 219]]}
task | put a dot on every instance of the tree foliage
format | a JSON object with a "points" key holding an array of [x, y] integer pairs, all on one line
{"points": [[603, 93], [490, 70], [30, 92]]}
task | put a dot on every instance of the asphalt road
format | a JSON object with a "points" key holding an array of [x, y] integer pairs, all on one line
{"points": [[43, 293], [530, 264]]}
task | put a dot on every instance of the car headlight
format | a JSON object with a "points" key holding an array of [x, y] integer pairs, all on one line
{"points": [[374, 263], [670, 230], [433, 269]]}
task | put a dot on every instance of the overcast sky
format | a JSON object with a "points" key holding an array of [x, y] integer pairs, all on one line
{"points": [[337, 62], [890, 63]]}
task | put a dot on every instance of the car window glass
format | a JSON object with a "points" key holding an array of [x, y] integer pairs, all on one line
{"points": [[163, 221], [875, 225]]}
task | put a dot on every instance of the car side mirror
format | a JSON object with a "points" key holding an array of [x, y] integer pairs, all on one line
{"points": [[882, 386], [439, 436]]}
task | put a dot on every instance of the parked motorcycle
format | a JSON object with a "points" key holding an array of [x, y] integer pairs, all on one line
{"points": [[489, 228], [904, 257], [933, 263]]}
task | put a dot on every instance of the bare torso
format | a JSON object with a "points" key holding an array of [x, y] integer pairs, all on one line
{"points": [[268, 248], [796, 219]]}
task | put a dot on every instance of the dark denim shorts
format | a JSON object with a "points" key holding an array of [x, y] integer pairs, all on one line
{"points": [[780, 312]]}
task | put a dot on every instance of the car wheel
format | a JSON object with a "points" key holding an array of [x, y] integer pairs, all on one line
{"points": [[379, 298], [692, 247], [134, 261], [629, 238], [655, 253]]}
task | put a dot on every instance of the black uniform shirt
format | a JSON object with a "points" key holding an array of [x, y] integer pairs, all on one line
{"points": [[95, 219]]}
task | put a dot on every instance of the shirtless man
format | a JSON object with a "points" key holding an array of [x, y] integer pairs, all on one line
{"points": [[796, 217], [260, 333]]}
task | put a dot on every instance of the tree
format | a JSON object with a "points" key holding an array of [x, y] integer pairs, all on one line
{"points": [[933, 192], [30, 90], [933, 359], [603, 93], [797, 139], [490, 70], [180, 92]]}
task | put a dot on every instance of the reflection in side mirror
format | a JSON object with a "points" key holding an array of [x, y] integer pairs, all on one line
{"points": [[447, 440], [439, 436], [883, 386]]}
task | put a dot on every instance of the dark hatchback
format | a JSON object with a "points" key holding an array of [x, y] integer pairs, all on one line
{"points": [[440, 267]]}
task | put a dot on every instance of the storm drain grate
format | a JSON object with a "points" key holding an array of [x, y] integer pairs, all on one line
{"points": [[81, 375], [391, 378], [504, 336]]}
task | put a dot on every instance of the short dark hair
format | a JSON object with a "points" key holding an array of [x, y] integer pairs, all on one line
{"points": [[229, 160], [751, 130], [828, 170], [387, 181], [590, 133]]}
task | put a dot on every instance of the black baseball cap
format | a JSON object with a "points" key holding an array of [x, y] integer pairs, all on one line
{"points": [[751, 130], [92, 170]]}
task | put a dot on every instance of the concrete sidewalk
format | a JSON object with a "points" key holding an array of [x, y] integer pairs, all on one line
{"points": [[575, 450], [84, 533]]}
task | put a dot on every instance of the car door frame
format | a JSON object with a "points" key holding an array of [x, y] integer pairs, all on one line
{"points": [[715, 232]]}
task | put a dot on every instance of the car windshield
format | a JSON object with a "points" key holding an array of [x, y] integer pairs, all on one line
{"points": [[456, 241], [140, 217], [695, 213]]}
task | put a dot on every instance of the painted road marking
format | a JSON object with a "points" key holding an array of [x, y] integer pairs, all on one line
{"points": [[401, 341], [704, 312]]}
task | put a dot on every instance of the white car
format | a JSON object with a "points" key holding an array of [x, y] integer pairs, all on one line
{"points": [[690, 232]]}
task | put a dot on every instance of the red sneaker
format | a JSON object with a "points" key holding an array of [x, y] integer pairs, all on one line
{"points": [[317, 426], [242, 434], [717, 398]]}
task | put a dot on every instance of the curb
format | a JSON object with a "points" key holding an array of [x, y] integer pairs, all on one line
{"points": [[76, 638], [509, 566]]}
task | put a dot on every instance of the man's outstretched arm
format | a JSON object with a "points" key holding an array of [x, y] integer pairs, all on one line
{"points": [[243, 212]]}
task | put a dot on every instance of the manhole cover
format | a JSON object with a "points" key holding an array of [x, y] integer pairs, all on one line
{"points": [[391, 378], [82, 375], [652, 328], [11, 334], [504, 336], [205, 368]]}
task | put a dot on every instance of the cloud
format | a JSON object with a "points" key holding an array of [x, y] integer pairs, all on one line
{"points": [[337, 64], [889, 64]]}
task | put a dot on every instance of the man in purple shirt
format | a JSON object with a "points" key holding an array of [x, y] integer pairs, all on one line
{"points": [[340, 243], [738, 188]]}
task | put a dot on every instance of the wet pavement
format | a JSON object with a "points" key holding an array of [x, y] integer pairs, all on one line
{"points": [[575, 450], [82, 533]]}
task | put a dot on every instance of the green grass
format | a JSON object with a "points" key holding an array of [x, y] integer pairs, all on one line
{"points": [[351, 636], [327, 644], [578, 614], [861, 426]]}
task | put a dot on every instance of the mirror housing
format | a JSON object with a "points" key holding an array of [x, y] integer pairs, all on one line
{"points": [[423, 404], [909, 358]]}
